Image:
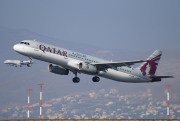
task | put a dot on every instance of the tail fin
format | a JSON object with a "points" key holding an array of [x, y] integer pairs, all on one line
{"points": [[149, 67]]}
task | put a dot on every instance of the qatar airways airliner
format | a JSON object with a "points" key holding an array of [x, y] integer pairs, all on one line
{"points": [[62, 61]]}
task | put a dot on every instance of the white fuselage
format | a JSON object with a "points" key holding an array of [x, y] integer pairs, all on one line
{"points": [[62, 57]]}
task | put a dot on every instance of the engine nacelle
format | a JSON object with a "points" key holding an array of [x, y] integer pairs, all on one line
{"points": [[58, 70], [82, 66]]}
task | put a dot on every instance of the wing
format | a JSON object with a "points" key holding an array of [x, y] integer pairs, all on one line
{"points": [[117, 64]]}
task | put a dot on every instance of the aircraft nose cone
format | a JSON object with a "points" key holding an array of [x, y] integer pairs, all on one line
{"points": [[15, 47]]}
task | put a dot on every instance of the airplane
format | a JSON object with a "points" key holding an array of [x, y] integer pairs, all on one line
{"points": [[62, 61], [18, 63]]}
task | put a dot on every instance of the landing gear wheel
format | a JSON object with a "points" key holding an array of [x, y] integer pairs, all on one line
{"points": [[29, 65], [76, 79], [96, 79]]}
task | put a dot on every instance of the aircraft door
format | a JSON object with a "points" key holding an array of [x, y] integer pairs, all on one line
{"points": [[36, 49], [36, 46]]}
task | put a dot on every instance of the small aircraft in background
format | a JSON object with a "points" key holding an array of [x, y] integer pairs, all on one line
{"points": [[18, 63]]}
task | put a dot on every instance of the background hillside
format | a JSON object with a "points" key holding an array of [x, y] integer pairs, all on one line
{"points": [[61, 96]]}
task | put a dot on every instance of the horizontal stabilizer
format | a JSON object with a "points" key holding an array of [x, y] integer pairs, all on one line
{"points": [[153, 77]]}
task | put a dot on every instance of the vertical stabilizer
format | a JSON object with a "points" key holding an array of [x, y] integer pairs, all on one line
{"points": [[149, 67]]}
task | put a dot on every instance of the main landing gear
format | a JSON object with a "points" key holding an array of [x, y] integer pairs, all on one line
{"points": [[95, 79], [77, 79]]}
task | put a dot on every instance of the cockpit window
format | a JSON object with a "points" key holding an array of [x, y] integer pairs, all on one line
{"points": [[26, 43]]}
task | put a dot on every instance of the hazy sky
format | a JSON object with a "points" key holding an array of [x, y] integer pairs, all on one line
{"points": [[118, 24]]}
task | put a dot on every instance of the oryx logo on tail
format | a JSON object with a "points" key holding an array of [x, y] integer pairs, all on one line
{"points": [[149, 67]]}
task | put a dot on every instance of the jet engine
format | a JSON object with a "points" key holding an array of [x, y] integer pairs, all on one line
{"points": [[58, 70], [83, 67]]}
